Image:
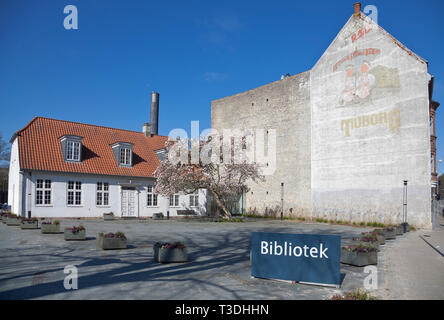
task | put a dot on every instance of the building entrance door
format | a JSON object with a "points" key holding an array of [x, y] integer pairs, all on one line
{"points": [[128, 202]]}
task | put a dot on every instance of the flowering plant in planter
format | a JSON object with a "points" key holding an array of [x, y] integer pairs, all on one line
{"points": [[55, 222], [359, 255], [75, 233], [370, 240], [167, 245], [170, 252], [108, 216], [30, 223], [389, 233], [76, 230], [12, 219], [361, 248], [119, 235], [377, 233], [112, 240], [51, 226]]}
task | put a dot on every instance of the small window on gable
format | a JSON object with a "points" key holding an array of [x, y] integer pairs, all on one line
{"points": [[123, 152], [161, 154], [71, 148]]}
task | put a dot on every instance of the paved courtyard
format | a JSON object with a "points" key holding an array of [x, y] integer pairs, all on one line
{"points": [[32, 264]]}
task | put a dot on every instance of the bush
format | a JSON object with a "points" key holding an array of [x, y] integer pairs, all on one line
{"points": [[75, 229], [361, 247], [232, 220], [354, 295], [178, 245], [118, 234]]}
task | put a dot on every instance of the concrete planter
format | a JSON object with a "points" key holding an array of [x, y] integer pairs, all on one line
{"points": [[13, 221], [399, 230], [168, 255], [389, 235], [359, 259], [70, 236], [111, 243], [29, 225], [108, 217], [381, 239], [50, 228], [157, 216]]}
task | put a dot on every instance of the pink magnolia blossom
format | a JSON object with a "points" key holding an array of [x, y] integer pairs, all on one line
{"points": [[223, 170]]}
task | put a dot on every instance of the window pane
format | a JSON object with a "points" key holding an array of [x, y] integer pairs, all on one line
{"points": [[69, 152], [150, 189], [99, 198], [78, 185], [150, 199], [155, 200], [70, 185], [47, 197], [39, 183], [99, 186], [78, 198], [105, 186], [70, 197], [39, 197], [47, 184], [76, 151], [176, 200], [105, 199]]}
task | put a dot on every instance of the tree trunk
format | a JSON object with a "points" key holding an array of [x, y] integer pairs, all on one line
{"points": [[225, 211]]}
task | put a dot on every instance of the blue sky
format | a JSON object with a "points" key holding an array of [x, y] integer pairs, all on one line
{"points": [[191, 52]]}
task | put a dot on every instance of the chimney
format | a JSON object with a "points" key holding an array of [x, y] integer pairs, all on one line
{"points": [[357, 7], [154, 114], [146, 129]]}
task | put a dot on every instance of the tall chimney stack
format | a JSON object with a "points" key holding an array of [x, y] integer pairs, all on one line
{"points": [[357, 7], [154, 113]]}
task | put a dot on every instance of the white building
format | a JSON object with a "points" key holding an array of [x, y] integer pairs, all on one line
{"points": [[67, 169]]}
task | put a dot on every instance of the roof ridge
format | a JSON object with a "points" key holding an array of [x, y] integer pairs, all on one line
{"points": [[81, 123]]}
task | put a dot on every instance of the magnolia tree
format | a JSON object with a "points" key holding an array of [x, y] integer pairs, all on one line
{"points": [[222, 168]]}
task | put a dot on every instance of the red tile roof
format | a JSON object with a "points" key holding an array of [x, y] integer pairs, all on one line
{"points": [[40, 148]]}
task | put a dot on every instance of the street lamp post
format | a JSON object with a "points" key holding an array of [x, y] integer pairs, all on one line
{"points": [[404, 207], [282, 201]]}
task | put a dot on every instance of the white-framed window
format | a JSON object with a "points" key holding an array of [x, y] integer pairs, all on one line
{"points": [[125, 156], [72, 150], [43, 192], [74, 197], [151, 200], [102, 194], [174, 200], [194, 199]]}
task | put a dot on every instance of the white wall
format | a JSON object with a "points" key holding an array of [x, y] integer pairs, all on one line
{"points": [[357, 175], [59, 207], [14, 185]]}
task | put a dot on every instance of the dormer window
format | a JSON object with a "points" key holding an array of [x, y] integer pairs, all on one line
{"points": [[123, 152], [72, 148], [125, 156]]}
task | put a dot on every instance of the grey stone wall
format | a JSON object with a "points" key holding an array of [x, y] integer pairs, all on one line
{"points": [[349, 131], [284, 106]]}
